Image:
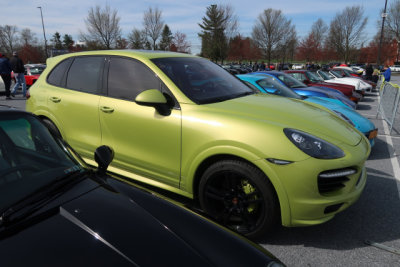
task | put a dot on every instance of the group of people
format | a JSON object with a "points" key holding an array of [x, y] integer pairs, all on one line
{"points": [[16, 65], [372, 73]]}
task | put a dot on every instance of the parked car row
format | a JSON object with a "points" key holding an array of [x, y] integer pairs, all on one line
{"points": [[251, 159]]}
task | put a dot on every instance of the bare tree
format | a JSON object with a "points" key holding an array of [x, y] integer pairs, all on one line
{"points": [[346, 31], [180, 43], [287, 45], [269, 30], [319, 30], [153, 24], [8, 38], [392, 25], [28, 37], [102, 26], [311, 46], [231, 22]]}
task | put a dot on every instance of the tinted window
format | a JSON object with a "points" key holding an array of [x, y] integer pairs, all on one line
{"points": [[58, 72], [127, 78], [271, 85], [85, 74], [314, 77], [30, 157], [201, 80], [299, 76], [289, 81]]}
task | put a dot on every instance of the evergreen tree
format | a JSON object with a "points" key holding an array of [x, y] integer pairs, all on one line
{"points": [[213, 35], [137, 39], [68, 42], [166, 39], [57, 41]]}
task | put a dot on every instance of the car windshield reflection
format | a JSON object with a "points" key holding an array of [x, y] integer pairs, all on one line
{"points": [[30, 157]]}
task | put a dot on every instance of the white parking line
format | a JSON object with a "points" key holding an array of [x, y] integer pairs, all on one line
{"points": [[392, 152], [393, 137]]}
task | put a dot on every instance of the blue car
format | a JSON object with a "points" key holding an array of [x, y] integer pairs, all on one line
{"points": [[271, 85], [304, 90]]}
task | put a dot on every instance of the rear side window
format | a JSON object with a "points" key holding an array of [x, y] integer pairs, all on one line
{"points": [[128, 77], [85, 74], [299, 76], [57, 74]]}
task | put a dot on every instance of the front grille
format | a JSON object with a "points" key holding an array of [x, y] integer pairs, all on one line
{"points": [[329, 181]]}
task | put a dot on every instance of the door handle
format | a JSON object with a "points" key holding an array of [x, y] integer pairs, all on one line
{"points": [[55, 99], [106, 109]]}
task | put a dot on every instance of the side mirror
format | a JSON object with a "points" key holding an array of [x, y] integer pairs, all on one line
{"points": [[103, 156], [154, 98]]}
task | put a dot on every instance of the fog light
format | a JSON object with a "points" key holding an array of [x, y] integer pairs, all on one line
{"points": [[339, 173]]}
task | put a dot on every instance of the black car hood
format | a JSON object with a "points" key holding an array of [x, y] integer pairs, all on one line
{"points": [[124, 227]]}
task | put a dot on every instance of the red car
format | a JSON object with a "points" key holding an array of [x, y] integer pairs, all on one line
{"points": [[32, 73], [311, 79]]}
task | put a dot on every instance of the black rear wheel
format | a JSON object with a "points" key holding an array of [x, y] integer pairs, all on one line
{"points": [[240, 197]]}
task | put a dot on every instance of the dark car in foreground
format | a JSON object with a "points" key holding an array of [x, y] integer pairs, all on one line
{"points": [[55, 211]]}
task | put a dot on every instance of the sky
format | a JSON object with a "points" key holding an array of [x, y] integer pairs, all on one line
{"points": [[68, 16]]}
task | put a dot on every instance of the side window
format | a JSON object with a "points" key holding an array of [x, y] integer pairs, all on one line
{"points": [[85, 74], [298, 76], [56, 75], [127, 78]]}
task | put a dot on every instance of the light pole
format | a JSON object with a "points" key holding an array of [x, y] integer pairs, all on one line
{"points": [[384, 15], [44, 33]]}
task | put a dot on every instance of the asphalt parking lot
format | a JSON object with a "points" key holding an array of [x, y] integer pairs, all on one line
{"points": [[374, 219]]}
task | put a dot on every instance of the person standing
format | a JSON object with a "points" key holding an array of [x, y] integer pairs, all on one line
{"points": [[387, 73], [5, 73], [368, 72], [17, 66]]}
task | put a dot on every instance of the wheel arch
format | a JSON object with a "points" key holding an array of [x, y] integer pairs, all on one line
{"points": [[279, 191], [44, 117]]}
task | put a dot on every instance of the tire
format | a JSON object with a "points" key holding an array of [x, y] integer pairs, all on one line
{"points": [[52, 128], [240, 197]]}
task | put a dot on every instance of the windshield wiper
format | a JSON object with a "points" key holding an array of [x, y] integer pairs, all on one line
{"points": [[43, 195]]}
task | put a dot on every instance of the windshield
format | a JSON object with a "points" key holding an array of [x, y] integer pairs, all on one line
{"points": [[30, 157], [272, 86], [336, 74], [289, 81], [325, 75], [347, 73], [314, 77], [36, 70], [201, 80]]}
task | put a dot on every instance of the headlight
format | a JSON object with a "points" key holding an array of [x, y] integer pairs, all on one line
{"points": [[313, 146], [342, 116]]}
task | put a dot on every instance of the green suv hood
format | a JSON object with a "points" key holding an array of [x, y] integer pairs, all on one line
{"points": [[291, 113]]}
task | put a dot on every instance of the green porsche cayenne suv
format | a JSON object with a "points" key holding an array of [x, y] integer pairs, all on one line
{"points": [[184, 124]]}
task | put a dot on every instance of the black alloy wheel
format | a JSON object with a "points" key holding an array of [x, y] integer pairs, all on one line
{"points": [[240, 197]]}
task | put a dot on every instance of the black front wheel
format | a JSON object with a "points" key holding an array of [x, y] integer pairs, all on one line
{"points": [[239, 196]]}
